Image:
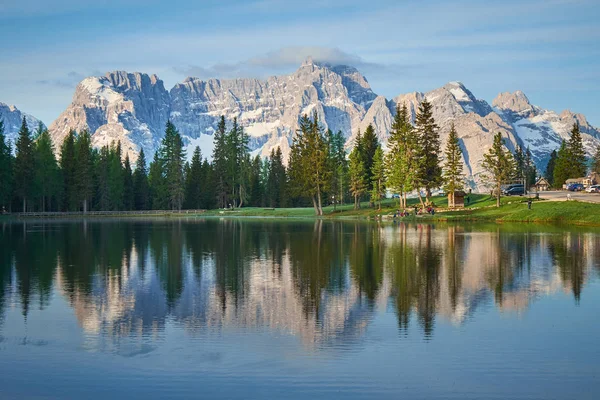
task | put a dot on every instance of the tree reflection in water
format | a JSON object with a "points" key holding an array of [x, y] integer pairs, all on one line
{"points": [[321, 281]]}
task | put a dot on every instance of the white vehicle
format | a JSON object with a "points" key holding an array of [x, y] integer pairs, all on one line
{"points": [[593, 189]]}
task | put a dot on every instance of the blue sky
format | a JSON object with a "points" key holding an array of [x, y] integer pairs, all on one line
{"points": [[549, 49]]}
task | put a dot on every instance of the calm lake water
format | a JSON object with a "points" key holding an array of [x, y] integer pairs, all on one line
{"points": [[246, 309]]}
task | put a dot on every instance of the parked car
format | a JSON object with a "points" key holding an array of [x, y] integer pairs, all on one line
{"points": [[575, 187], [593, 189], [508, 188], [515, 191]]}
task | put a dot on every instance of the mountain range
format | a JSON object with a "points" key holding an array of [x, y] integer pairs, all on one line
{"points": [[134, 108]]}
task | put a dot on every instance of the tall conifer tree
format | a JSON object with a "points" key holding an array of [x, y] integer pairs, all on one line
{"points": [[498, 163], [141, 191], [453, 168], [430, 171], [47, 174], [6, 170], [24, 165], [84, 170]]}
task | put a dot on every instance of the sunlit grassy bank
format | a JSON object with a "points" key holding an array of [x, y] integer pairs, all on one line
{"points": [[481, 208]]}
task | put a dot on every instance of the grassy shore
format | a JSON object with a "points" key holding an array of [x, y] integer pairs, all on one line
{"points": [[481, 208]]}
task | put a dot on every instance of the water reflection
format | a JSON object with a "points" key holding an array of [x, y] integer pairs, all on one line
{"points": [[320, 281]]}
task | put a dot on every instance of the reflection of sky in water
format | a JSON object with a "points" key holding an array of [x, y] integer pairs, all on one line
{"points": [[236, 309]]}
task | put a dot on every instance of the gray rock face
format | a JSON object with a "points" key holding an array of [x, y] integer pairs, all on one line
{"points": [[13, 118], [134, 108]]}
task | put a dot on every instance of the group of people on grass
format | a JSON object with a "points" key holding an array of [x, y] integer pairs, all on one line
{"points": [[417, 211]]}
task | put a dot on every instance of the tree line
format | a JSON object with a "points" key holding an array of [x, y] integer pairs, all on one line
{"points": [[318, 173]]}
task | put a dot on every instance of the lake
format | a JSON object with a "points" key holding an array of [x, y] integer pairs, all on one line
{"points": [[254, 308]]}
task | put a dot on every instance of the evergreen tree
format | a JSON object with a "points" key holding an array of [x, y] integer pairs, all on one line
{"points": [[24, 165], [220, 164], [377, 178], [84, 170], [596, 161], [562, 169], [173, 156], [369, 145], [194, 182], [308, 166], [499, 165], [255, 188], [402, 161], [208, 177], [128, 187], [339, 168], [520, 168], [453, 168], [276, 180], [157, 184], [116, 174], [68, 168], [357, 175], [6, 170], [141, 191], [429, 175], [530, 172], [47, 173], [549, 174], [576, 154], [101, 169]]}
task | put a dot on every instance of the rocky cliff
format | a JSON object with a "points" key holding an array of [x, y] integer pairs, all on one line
{"points": [[13, 119], [134, 107]]}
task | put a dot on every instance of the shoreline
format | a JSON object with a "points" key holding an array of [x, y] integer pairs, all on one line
{"points": [[573, 213]]}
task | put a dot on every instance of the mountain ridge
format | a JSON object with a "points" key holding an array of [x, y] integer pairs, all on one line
{"points": [[134, 108]]}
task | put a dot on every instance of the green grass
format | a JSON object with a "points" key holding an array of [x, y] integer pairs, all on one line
{"points": [[481, 208], [572, 212]]}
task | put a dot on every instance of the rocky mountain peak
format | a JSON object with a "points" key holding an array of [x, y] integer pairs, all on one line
{"points": [[516, 102], [13, 117]]}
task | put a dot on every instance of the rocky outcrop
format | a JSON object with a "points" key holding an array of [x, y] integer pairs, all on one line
{"points": [[134, 107], [13, 118]]}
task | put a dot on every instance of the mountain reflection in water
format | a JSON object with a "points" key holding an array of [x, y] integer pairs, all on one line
{"points": [[319, 281]]}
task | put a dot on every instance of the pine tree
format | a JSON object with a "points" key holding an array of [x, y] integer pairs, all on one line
{"points": [[369, 145], [220, 164], [377, 178], [173, 156], [530, 171], [157, 184], [549, 173], [429, 175], [68, 168], [208, 177], [357, 175], [128, 188], [6, 170], [562, 169], [498, 163], [141, 191], [520, 168], [576, 154], [194, 182], [402, 162], [596, 161], [116, 173], [24, 165], [84, 170], [308, 167], [255, 188], [453, 167], [101, 173], [47, 173]]}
